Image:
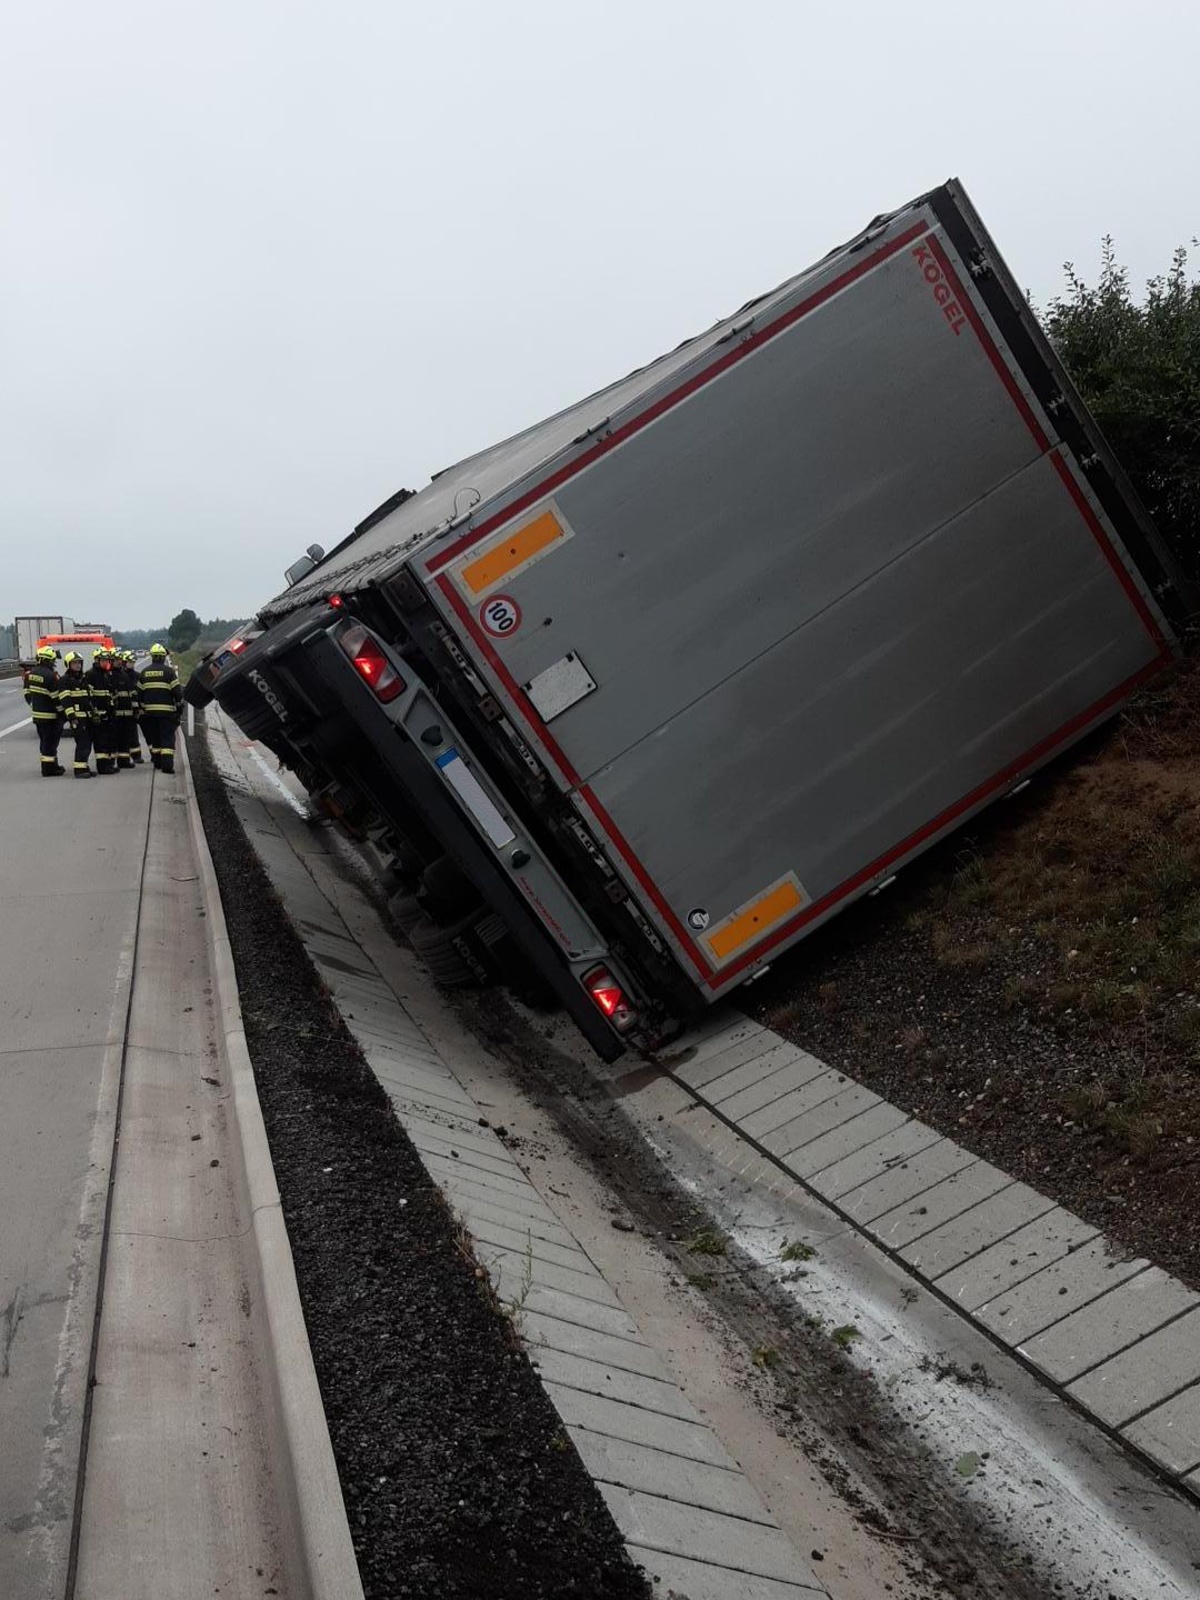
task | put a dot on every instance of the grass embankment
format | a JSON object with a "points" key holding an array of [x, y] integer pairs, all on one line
{"points": [[1102, 871], [1032, 986], [185, 660]]}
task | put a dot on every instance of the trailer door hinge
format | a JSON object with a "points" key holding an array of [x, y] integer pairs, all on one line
{"points": [[597, 427], [739, 330], [979, 266]]}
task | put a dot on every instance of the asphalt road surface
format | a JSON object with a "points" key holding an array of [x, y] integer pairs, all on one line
{"points": [[12, 704], [70, 875]]}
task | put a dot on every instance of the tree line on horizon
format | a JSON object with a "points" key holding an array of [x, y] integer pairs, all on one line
{"points": [[184, 631]]}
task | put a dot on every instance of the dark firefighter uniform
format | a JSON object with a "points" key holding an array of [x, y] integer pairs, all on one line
{"points": [[161, 702], [123, 693], [42, 685], [131, 728], [75, 699], [104, 712]]}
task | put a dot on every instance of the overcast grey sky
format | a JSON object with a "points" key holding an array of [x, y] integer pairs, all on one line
{"points": [[264, 262]]}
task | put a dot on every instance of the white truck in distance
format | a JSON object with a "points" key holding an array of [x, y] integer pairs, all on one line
{"points": [[638, 698]]}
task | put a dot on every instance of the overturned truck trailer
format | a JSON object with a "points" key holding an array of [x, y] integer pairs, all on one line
{"points": [[640, 697]]}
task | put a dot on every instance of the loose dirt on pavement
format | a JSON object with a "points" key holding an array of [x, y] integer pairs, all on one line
{"points": [[1032, 987], [800, 1376], [458, 1478]]}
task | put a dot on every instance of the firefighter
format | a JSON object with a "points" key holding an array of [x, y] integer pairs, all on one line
{"points": [[134, 723], [104, 711], [161, 702], [42, 685], [123, 722], [75, 698]]}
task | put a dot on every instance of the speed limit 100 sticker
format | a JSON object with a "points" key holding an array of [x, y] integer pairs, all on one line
{"points": [[500, 616]]}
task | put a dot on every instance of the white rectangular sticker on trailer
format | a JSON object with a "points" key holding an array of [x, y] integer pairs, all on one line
{"points": [[470, 791]]}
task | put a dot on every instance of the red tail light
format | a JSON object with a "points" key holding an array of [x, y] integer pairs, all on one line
{"points": [[609, 998], [336, 601], [372, 666], [236, 646]]}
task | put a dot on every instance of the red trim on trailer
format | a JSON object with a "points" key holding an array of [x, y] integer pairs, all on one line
{"points": [[464, 614], [667, 401], [947, 818], [488, 651], [1003, 370], [697, 956], [1124, 577], [717, 979]]}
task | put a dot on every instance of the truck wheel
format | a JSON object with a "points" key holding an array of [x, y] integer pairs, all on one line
{"points": [[448, 893], [522, 977], [445, 962], [406, 912]]}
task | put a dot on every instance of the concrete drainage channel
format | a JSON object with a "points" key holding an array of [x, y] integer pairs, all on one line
{"points": [[1031, 1477], [207, 1466]]}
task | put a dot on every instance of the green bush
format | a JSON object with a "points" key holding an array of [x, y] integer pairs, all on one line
{"points": [[1137, 364]]}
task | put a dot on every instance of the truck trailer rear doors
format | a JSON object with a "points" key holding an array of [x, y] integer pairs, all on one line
{"points": [[792, 617]]}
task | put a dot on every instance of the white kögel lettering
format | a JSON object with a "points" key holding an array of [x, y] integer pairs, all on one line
{"points": [[268, 694]]}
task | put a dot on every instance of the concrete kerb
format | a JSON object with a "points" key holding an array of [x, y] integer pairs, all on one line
{"points": [[311, 1491], [1188, 1484]]}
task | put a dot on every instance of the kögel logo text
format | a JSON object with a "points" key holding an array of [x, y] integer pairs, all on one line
{"points": [[942, 292], [269, 695]]}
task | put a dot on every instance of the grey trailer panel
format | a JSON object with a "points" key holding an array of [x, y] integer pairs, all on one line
{"points": [[815, 609], [914, 690], [757, 503]]}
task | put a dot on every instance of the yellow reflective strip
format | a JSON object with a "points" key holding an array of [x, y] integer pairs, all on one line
{"points": [[513, 551], [756, 919]]}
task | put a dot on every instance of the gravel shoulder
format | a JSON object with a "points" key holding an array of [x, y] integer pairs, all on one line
{"points": [[457, 1476]]}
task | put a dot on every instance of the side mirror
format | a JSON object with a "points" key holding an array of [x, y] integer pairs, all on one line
{"points": [[299, 569], [302, 568]]}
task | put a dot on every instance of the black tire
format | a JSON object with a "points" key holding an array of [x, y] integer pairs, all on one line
{"points": [[447, 892], [406, 912], [444, 961]]}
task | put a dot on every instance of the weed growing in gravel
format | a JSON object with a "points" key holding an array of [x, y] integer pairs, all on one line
{"points": [[780, 1017], [706, 1243], [765, 1356], [1121, 1112], [702, 1281], [796, 1250], [511, 1311], [973, 1377], [830, 999], [971, 885], [1184, 1029], [950, 949], [845, 1336], [514, 1309]]}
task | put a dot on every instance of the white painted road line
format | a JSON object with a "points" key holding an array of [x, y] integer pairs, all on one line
{"points": [[4, 732]]}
